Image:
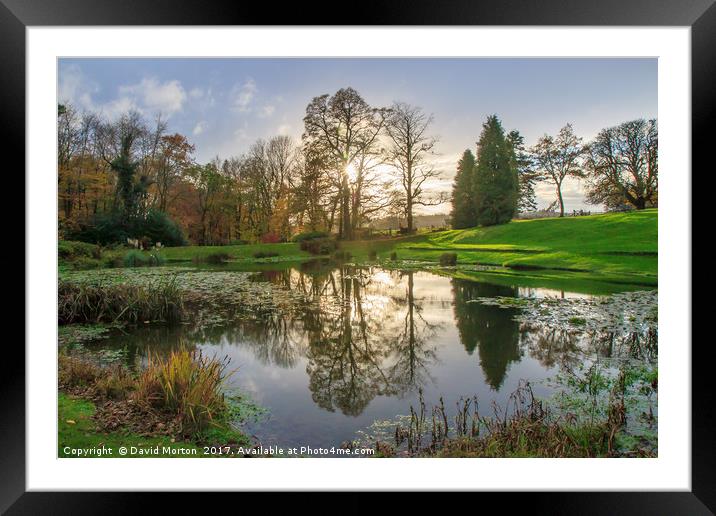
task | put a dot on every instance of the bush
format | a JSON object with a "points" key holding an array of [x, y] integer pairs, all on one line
{"points": [[318, 245], [217, 258], [448, 259], [270, 238], [136, 258], [108, 228], [70, 250], [83, 263], [158, 227], [239, 242], [265, 254], [393, 256], [310, 235], [372, 254]]}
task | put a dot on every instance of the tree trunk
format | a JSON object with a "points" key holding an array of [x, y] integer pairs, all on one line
{"points": [[561, 201], [409, 214], [346, 233]]}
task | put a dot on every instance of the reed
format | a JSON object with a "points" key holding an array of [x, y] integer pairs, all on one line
{"points": [[188, 384], [85, 303]]}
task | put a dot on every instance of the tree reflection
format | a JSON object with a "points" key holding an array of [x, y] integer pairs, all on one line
{"points": [[346, 355], [490, 329], [413, 356], [552, 346]]}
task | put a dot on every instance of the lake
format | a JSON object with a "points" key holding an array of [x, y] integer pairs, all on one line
{"points": [[357, 345]]}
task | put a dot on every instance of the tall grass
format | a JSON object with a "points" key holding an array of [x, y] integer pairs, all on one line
{"points": [[82, 303], [185, 387], [188, 384]]}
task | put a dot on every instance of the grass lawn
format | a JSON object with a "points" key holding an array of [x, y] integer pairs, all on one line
{"points": [[76, 430], [620, 248]]}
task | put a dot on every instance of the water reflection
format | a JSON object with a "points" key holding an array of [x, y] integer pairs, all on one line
{"points": [[490, 329], [364, 340]]}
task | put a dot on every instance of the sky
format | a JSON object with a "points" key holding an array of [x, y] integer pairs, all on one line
{"points": [[224, 105]]}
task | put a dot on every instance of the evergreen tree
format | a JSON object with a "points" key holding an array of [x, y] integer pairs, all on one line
{"points": [[495, 186], [527, 176], [463, 207]]}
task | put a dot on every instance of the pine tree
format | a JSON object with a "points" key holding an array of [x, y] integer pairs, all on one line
{"points": [[463, 207], [495, 186], [527, 176]]}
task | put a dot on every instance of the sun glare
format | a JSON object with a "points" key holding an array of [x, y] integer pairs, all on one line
{"points": [[351, 171]]}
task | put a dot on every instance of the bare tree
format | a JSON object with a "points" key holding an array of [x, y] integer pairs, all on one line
{"points": [[557, 158], [410, 145], [623, 165], [343, 129]]}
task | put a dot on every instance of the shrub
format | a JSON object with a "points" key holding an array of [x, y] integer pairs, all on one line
{"points": [[265, 254], [70, 250], [108, 228], [136, 258], [86, 303], [158, 227], [239, 242], [188, 384], [393, 256], [372, 254], [318, 245], [448, 259], [270, 238], [217, 258], [310, 235]]}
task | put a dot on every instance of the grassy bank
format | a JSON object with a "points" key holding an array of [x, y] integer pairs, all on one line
{"points": [[174, 407], [78, 433], [617, 248]]}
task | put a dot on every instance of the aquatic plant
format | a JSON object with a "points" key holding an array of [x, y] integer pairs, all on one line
{"points": [[86, 303], [188, 384]]}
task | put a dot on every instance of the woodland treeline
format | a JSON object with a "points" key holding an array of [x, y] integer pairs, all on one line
{"points": [[133, 178], [619, 168]]}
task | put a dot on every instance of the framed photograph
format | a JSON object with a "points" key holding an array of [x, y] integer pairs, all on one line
{"points": [[414, 251]]}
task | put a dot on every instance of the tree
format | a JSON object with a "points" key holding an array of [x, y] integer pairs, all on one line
{"points": [[527, 177], [174, 158], [463, 207], [344, 130], [623, 165], [209, 184], [558, 158], [495, 181], [407, 128]]}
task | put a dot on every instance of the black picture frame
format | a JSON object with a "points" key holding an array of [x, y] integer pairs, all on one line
{"points": [[700, 15]]}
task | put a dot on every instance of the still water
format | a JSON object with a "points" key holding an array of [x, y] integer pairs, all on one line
{"points": [[365, 345]]}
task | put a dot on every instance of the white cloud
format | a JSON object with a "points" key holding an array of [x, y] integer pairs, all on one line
{"points": [[243, 95], [167, 97], [267, 110], [196, 93], [75, 88], [199, 128], [284, 129]]}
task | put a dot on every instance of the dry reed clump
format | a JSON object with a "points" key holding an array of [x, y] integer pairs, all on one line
{"points": [[187, 384], [183, 391], [85, 303]]}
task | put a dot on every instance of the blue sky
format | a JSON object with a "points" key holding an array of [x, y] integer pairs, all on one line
{"points": [[224, 105]]}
